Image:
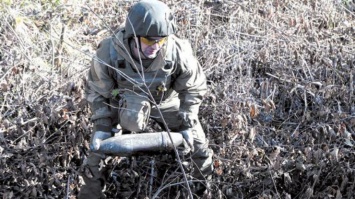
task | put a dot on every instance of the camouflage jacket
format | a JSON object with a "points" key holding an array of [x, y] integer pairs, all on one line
{"points": [[175, 72]]}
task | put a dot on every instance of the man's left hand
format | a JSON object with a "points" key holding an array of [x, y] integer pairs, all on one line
{"points": [[188, 119], [188, 137]]}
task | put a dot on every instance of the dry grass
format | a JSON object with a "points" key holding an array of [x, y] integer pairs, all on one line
{"points": [[280, 112]]}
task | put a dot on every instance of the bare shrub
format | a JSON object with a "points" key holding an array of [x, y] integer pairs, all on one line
{"points": [[280, 111]]}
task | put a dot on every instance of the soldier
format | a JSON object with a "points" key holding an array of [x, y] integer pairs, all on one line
{"points": [[153, 70]]}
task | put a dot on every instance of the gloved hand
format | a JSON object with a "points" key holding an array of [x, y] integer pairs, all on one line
{"points": [[97, 138], [189, 139], [188, 119]]}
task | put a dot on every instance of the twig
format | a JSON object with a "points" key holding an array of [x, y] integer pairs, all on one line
{"points": [[21, 124], [348, 11], [273, 182], [6, 73], [296, 129], [279, 78], [170, 185], [51, 135], [305, 105], [317, 177], [152, 162], [351, 88], [68, 187], [3, 105]]}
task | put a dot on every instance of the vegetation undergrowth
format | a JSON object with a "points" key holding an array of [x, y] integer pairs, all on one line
{"points": [[279, 113]]}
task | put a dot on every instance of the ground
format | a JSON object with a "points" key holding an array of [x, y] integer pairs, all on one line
{"points": [[279, 112]]}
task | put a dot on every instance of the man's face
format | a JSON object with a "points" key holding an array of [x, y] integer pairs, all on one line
{"points": [[151, 45]]}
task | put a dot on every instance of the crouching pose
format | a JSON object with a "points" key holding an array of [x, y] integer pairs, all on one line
{"points": [[152, 71]]}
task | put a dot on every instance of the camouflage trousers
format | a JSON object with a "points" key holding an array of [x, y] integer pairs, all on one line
{"points": [[94, 176]]}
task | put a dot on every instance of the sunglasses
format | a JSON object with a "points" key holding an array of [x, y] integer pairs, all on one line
{"points": [[150, 41]]}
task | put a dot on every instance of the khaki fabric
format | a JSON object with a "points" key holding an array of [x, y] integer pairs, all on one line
{"points": [[134, 112]]}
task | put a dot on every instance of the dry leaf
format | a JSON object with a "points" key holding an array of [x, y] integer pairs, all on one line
{"points": [[309, 193], [254, 112], [224, 122], [218, 168], [4, 86], [334, 154], [217, 163]]}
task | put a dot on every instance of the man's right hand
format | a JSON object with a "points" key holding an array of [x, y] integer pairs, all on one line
{"points": [[97, 139]]}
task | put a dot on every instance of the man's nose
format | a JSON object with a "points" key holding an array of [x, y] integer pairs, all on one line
{"points": [[155, 46]]}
